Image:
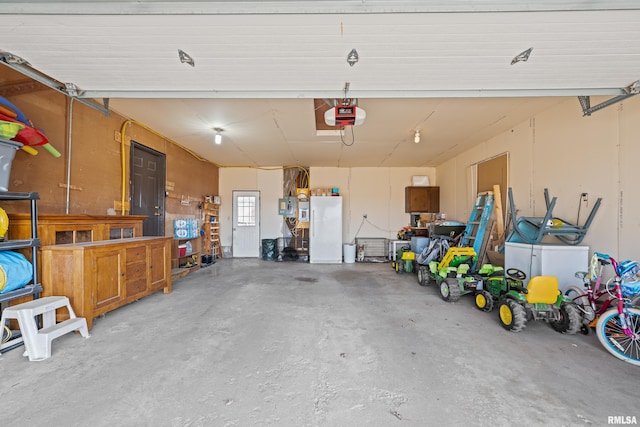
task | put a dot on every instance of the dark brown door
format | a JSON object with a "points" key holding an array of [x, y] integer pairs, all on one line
{"points": [[147, 188]]}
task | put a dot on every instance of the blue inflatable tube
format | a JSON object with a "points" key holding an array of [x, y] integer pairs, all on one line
{"points": [[20, 115]]}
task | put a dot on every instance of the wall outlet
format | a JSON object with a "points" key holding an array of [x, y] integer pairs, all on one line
{"points": [[585, 197]]}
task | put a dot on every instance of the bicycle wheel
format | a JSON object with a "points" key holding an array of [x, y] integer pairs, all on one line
{"points": [[581, 300], [613, 338]]}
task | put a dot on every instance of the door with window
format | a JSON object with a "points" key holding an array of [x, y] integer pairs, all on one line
{"points": [[246, 224]]}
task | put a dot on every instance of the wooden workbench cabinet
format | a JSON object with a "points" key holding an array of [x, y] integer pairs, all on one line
{"points": [[56, 229], [101, 276]]}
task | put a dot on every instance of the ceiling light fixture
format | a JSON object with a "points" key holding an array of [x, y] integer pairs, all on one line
{"points": [[185, 58], [416, 137], [218, 138], [352, 58], [522, 57]]}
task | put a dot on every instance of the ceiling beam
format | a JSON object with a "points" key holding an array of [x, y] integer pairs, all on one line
{"points": [[8, 60], [362, 94], [221, 7]]}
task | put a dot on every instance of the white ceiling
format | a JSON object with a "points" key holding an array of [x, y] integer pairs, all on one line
{"points": [[443, 67]]}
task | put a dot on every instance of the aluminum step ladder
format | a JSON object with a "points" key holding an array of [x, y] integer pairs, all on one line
{"points": [[474, 232]]}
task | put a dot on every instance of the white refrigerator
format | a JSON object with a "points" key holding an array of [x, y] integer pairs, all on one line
{"points": [[325, 234]]}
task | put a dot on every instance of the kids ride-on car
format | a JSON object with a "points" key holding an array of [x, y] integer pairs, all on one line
{"points": [[453, 273], [464, 282], [541, 300], [432, 252], [404, 260], [496, 284]]}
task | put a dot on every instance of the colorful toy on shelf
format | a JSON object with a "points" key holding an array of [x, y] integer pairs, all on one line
{"points": [[4, 223], [28, 135], [8, 129]]}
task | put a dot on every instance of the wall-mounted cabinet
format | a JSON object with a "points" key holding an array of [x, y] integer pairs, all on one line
{"points": [[422, 199]]}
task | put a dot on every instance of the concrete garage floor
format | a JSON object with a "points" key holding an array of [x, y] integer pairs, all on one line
{"points": [[248, 342]]}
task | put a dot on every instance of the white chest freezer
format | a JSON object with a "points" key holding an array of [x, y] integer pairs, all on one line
{"points": [[561, 261]]}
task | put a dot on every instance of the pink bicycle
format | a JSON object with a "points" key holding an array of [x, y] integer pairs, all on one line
{"points": [[618, 328]]}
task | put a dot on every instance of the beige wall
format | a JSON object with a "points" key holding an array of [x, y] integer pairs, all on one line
{"points": [[268, 182], [377, 192], [569, 154]]}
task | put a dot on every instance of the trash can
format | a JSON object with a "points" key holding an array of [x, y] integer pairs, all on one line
{"points": [[349, 253], [269, 249]]}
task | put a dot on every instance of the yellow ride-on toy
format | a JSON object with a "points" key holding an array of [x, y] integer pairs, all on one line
{"points": [[404, 260], [541, 300]]}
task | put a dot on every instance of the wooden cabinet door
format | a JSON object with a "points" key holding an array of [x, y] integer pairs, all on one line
{"points": [[422, 199], [108, 277], [159, 268]]}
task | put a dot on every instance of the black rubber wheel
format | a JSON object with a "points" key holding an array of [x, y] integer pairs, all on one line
{"points": [[512, 315], [570, 319], [484, 301], [424, 278], [582, 303], [450, 290]]}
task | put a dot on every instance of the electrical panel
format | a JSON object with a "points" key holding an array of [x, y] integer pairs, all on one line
{"points": [[287, 207], [303, 210]]}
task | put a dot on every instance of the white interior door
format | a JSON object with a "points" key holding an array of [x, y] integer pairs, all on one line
{"points": [[246, 224]]}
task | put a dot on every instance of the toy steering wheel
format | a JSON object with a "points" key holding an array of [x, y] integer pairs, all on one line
{"points": [[516, 274]]}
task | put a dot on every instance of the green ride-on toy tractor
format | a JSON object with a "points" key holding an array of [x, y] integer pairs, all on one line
{"points": [[496, 284], [452, 274], [541, 300], [464, 282], [404, 260]]}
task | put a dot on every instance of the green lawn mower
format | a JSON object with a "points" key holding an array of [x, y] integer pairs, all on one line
{"points": [[541, 300]]}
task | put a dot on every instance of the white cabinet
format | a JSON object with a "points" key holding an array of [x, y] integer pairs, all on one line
{"points": [[561, 261]]}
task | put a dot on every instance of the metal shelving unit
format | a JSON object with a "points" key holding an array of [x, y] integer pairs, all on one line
{"points": [[34, 288]]}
